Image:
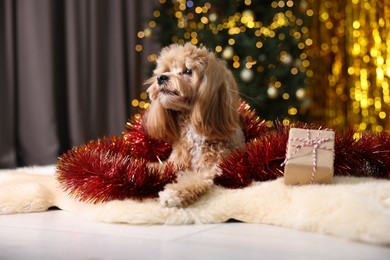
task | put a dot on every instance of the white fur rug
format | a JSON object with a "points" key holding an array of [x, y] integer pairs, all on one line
{"points": [[351, 208]]}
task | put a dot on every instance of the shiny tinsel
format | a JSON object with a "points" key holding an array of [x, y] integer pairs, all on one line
{"points": [[367, 156], [126, 167], [251, 124], [142, 145], [259, 160], [104, 170]]}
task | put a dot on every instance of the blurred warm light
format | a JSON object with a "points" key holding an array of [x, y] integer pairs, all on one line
{"points": [[345, 53], [354, 55]]}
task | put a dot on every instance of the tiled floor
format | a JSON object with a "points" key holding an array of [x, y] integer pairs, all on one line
{"points": [[60, 235]]}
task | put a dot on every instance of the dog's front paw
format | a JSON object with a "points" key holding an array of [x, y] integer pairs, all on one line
{"points": [[170, 198]]}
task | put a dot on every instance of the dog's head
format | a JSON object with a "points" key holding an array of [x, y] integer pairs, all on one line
{"points": [[193, 82]]}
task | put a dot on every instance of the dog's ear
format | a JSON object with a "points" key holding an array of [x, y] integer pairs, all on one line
{"points": [[160, 123], [214, 112]]}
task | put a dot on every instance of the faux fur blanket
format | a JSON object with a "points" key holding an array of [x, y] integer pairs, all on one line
{"points": [[351, 208]]}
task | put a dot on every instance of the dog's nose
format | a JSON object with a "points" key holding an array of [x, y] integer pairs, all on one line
{"points": [[161, 79]]}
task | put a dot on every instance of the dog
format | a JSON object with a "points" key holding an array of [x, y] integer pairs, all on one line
{"points": [[194, 107]]}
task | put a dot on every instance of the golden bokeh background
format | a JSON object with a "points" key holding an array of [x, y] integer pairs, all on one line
{"points": [[346, 55], [350, 64]]}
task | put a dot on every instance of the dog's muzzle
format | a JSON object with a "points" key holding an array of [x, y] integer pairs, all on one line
{"points": [[161, 79]]}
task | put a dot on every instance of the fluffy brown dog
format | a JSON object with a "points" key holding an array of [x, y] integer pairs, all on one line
{"points": [[194, 108]]}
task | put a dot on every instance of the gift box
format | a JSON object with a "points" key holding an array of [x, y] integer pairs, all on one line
{"points": [[309, 156]]}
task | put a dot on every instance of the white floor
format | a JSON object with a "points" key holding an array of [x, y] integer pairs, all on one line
{"points": [[60, 235]]}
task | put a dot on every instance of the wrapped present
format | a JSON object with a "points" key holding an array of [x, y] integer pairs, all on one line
{"points": [[309, 156]]}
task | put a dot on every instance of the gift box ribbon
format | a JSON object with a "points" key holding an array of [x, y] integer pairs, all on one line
{"points": [[308, 141]]}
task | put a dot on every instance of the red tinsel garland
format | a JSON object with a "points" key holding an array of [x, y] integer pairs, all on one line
{"points": [[119, 167], [368, 156], [251, 124], [142, 145], [104, 170]]}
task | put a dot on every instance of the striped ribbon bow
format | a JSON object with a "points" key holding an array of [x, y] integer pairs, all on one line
{"points": [[308, 141]]}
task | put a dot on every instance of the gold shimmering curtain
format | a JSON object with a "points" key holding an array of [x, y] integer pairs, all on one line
{"points": [[350, 63]]}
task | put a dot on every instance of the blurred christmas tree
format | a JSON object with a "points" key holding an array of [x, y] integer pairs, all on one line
{"points": [[262, 41]]}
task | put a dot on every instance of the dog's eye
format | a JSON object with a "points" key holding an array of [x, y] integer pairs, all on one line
{"points": [[187, 71]]}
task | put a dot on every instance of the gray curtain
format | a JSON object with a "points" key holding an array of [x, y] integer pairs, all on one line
{"points": [[68, 71]]}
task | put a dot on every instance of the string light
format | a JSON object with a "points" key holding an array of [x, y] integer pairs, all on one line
{"points": [[142, 102]]}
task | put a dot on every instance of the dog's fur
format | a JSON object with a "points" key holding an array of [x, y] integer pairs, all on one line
{"points": [[194, 101]]}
